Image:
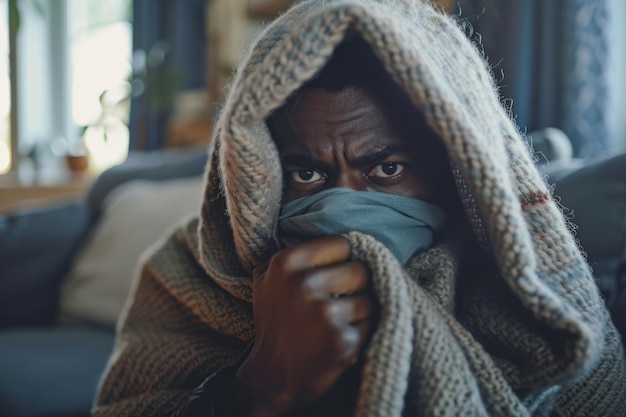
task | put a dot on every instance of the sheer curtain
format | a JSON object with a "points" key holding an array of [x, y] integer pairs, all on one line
{"points": [[552, 60]]}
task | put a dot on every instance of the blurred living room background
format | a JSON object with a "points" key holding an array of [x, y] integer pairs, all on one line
{"points": [[82, 83], [106, 110]]}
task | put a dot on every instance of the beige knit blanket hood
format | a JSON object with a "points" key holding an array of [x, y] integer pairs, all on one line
{"points": [[544, 343]]}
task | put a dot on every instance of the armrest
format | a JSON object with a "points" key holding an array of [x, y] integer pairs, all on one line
{"points": [[151, 165], [36, 247], [551, 144]]}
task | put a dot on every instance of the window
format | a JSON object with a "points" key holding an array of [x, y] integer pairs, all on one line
{"points": [[72, 67], [5, 88], [100, 38]]}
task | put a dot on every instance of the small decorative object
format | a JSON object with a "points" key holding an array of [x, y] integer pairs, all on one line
{"points": [[77, 163]]}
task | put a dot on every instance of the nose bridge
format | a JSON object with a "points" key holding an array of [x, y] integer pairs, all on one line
{"points": [[349, 178], [345, 174]]}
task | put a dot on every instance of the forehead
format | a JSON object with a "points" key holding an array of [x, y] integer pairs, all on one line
{"points": [[315, 119], [354, 111], [329, 107]]}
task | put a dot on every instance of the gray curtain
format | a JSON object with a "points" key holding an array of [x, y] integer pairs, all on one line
{"points": [[551, 58], [169, 55]]}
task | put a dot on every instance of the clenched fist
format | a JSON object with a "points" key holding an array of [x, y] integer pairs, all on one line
{"points": [[313, 315]]}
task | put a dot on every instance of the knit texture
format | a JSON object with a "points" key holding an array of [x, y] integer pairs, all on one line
{"points": [[529, 336]]}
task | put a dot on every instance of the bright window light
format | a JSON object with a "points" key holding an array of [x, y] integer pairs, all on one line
{"points": [[5, 88], [101, 49]]}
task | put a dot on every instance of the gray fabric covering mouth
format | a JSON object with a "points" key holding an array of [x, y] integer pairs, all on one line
{"points": [[404, 225], [452, 339]]}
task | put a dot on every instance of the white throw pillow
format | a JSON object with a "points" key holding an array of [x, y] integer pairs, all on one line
{"points": [[134, 216]]}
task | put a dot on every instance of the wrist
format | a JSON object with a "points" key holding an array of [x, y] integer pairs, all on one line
{"points": [[251, 393]]}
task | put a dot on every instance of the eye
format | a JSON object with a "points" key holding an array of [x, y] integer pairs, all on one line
{"points": [[306, 176], [386, 170]]}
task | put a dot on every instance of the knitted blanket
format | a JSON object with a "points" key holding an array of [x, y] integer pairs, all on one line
{"points": [[528, 336]]}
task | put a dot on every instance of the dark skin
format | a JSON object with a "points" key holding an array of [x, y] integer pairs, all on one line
{"points": [[313, 307], [347, 139]]}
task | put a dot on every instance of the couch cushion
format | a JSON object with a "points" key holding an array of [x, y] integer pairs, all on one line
{"points": [[53, 371], [36, 246], [134, 216]]}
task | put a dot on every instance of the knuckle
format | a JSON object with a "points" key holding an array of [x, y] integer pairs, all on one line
{"points": [[290, 259], [343, 343], [338, 243], [328, 311], [303, 283], [365, 304], [362, 268], [340, 240], [360, 271], [307, 282], [282, 265], [324, 310]]}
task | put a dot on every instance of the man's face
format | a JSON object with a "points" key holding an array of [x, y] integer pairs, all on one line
{"points": [[355, 139]]}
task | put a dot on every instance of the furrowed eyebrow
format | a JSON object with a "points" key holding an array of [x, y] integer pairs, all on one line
{"points": [[304, 161], [380, 155]]}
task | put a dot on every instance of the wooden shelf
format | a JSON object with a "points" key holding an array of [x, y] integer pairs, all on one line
{"points": [[272, 8], [267, 8], [12, 199], [18, 191]]}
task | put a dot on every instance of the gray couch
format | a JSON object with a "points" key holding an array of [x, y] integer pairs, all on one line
{"points": [[48, 369]]}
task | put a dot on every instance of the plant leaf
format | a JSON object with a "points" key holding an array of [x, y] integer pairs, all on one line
{"points": [[14, 17]]}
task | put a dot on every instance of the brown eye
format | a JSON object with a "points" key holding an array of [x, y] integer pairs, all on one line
{"points": [[306, 176], [386, 170]]}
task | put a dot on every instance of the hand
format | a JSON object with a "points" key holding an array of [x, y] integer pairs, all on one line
{"points": [[312, 319]]}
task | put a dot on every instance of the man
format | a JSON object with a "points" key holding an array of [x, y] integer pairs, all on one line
{"points": [[388, 247]]}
